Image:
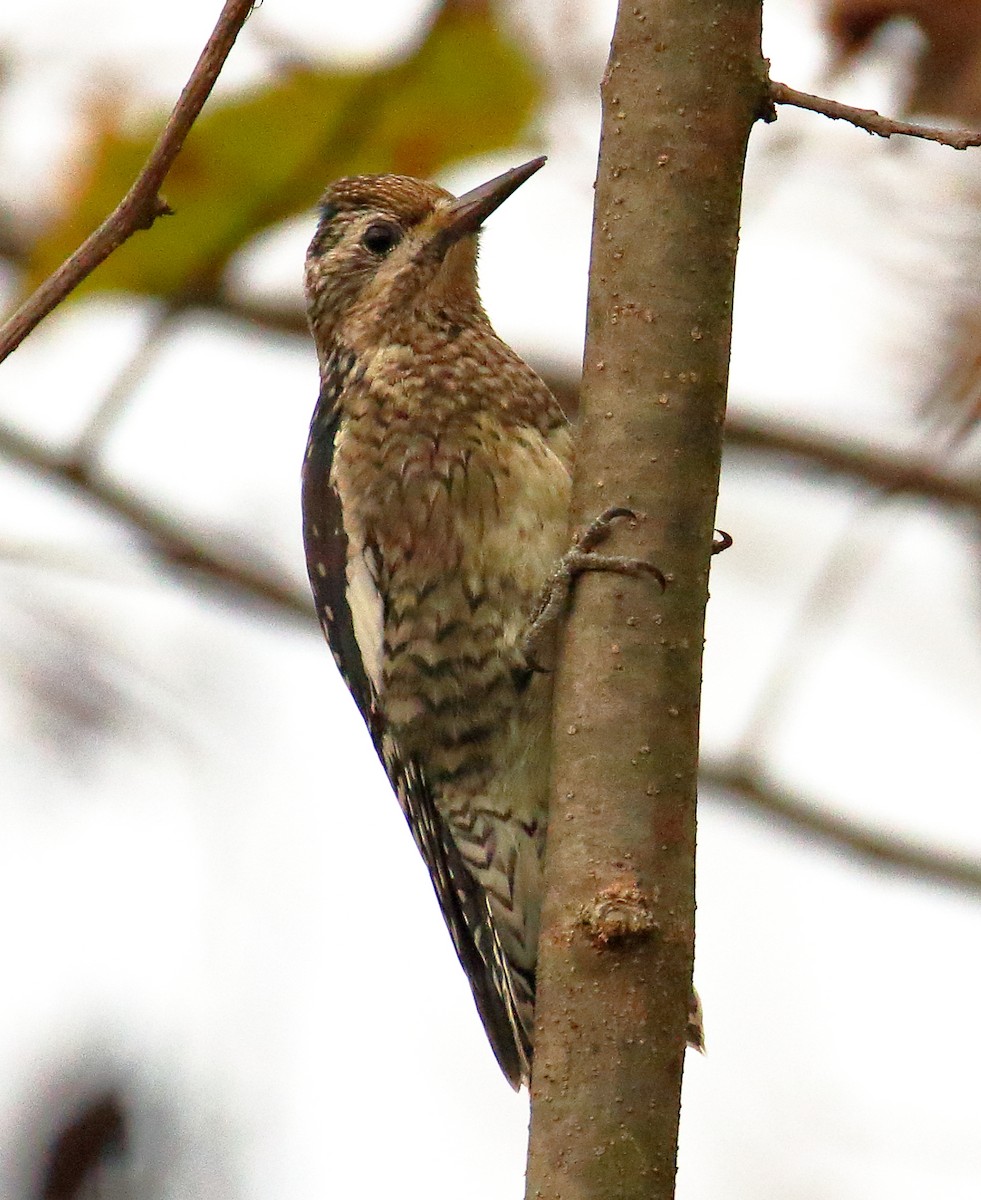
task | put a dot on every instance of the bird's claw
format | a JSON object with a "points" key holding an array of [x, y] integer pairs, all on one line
{"points": [[720, 541], [598, 529], [581, 557]]}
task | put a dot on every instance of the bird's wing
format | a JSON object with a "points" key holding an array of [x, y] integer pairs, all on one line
{"points": [[350, 611], [332, 562], [469, 919]]}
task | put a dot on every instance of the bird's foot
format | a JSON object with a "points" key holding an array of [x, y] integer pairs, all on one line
{"points": [[581, 556]]}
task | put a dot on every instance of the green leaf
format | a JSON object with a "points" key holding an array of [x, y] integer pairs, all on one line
{"points": [[248, 163]]}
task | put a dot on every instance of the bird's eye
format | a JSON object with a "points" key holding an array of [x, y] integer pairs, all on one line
{"points": [[381, 237]]}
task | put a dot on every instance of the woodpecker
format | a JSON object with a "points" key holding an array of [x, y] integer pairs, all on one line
{"points": [[436, 493]]}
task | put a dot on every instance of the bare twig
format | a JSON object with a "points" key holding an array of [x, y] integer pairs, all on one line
{"points": [[166, 536], [142, 204], [872, 121], [748, 788], [205, 294]]}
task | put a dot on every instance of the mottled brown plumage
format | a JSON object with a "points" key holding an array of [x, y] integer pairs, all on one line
{"points": [[436, 499]]}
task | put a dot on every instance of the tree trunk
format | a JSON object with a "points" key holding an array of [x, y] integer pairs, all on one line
{"points": [[685, 82]]}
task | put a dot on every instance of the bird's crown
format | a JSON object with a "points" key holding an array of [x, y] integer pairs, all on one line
{"points": [[406, 200]]}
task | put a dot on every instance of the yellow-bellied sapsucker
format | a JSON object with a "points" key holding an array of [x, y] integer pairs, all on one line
{"points": [[435, 507], [436, 491]]}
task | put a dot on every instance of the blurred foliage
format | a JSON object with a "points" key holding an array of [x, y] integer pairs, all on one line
{"points": [[464, 89]]}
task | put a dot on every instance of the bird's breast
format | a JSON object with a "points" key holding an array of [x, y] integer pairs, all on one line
{"points": [[460, 525], [462, 496]]}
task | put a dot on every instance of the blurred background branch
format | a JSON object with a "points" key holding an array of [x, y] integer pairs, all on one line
{"points": [[166, 537], [743, 786]]}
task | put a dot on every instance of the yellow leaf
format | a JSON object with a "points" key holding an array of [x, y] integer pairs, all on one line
{"points": [[464, 89]]}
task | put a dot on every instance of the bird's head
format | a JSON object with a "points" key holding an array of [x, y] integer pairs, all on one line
{"points": [[390, 251]]}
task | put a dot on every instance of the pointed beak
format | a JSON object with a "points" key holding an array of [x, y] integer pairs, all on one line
{"points": [[471, 210]]}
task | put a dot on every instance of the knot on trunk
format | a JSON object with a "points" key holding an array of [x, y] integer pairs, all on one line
{"points": [[621, 912]]}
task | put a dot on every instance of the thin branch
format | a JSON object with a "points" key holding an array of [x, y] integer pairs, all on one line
{"points": [[870, 120], [747, 788], [881, 468], [278, 317], [142, 204], [166, 536]]}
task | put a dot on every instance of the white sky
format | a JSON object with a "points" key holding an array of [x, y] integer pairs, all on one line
{"points": [[218, 900]]}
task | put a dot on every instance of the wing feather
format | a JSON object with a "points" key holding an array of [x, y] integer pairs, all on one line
{"points": [[350, 610]]}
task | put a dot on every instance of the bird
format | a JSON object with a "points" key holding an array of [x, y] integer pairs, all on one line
{"points": [[436, 492]]}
